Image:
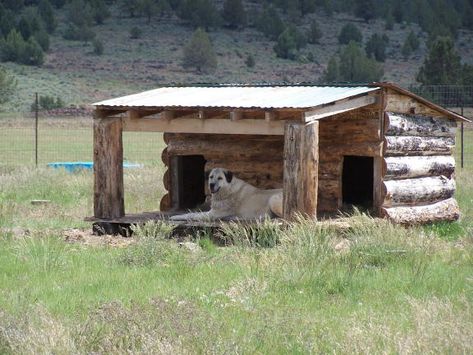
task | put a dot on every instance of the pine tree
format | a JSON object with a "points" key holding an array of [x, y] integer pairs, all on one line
{"points": [[270, 23], [199, 53], [356, 67], [8, 85], [365, 9], [46, 11], [332, 73], [348, 33], [314, 34], [289, 43], [442, 66], [234, 14], [376, 47]]}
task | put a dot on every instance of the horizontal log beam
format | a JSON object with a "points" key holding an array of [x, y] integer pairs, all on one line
{"points": [[417, 191], [410, 145], [418, 166], [415, 125], [446, 210], [338, 107], [211, 125]]}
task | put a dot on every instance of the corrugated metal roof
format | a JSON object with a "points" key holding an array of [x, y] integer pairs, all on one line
{"points": [[245, 97]]}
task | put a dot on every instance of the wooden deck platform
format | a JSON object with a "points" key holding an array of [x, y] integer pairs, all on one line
{"points": [[123, 224]]}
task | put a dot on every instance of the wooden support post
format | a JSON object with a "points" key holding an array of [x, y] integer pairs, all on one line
{"points": [[236, 115], [108, 168], [301, 165]]}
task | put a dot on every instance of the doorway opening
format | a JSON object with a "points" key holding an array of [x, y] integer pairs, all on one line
{"points": [[189, 177], [357, 181]]}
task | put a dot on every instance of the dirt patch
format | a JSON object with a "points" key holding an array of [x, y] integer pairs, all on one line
{"points": [[87, 238]]}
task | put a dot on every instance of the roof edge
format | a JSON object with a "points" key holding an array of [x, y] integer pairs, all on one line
{"points": [[430, 104]]}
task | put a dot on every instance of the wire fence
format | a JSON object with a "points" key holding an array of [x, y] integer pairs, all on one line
{"points": [[25, 141]]}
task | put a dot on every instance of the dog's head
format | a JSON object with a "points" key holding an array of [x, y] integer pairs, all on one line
{"points": [[219, 179]]}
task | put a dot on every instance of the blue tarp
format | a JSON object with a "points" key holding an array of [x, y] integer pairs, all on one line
{"points": [[87, 165]]}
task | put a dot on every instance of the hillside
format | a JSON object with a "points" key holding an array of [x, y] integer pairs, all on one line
{"points": [[72, 72]]}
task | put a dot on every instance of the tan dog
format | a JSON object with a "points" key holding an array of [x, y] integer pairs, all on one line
{"points": [[234, 198]]}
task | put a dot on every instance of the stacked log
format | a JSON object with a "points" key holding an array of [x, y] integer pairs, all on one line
{"points": [[419, 169]]}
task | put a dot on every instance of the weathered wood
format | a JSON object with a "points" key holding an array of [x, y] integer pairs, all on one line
{"points": [[378, 188], [211, 125], [415, 125], [400, 103], [167, 180], [446, 210], [301, 155], [418, 191], [356, 131], [418, 166], [332, 152], [413, 145], [339, 107], [108, 168], [165, 204]]}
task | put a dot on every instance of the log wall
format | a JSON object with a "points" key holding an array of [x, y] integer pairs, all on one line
{"points": [[418, 166]]}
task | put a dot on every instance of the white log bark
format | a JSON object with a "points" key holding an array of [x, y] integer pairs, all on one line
{"points": [[446, 210], [418, 191], [415, 125], [413, 145], [419, 166]]}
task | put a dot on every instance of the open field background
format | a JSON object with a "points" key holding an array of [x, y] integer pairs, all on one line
{"points": [[370, 288]]}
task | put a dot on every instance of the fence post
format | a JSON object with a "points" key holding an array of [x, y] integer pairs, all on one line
{"points": [[36, 129], [461, 141]]}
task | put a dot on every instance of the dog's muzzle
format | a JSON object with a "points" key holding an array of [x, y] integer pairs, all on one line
{"points": [[213, 188]]}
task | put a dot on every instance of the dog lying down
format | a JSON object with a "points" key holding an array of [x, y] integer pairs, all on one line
{"points": [[233, 198]]}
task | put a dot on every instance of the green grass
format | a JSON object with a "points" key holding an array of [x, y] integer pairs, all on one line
{"points": [[371, 288]]}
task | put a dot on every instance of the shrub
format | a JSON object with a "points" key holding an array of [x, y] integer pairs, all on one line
{"points": [[199, 53], [376, 47], [135, 32], [200, 13], [48, 103], [250, 61], [47, 14], [97, 44], [8, 85], [234, 14], [314, 34], [348, 33], [75, 33], [289, 43], [270, 23], [410, 45], [42, 38]]}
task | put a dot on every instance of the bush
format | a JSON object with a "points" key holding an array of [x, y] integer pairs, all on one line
{"points": [[270, 23], [289, 43], [314, 34], [98, 46], [135, 32], [410, 45], [75, 33], [250, 61], [8, 85], [376, 47], [200, 13], [48, 103], [15, 49], [42, 38], [234, 14], [199, 53], [348, 33], [47, 14]]}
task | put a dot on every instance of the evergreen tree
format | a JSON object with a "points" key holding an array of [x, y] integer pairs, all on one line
{"points": [[199, 53], [410, 45], [332, 73], [270, 23], [32, 53], [348, 33], [289, 42], [8, 85], [356, 67], [11, 47], [250, 61], [200, 13], [234, 14], [47, 14], [365, 9], [100, 11], [442, 66], [314, 34], [148, 9], [376, 47]]}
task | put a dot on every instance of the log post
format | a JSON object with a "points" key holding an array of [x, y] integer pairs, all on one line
{"points": [[108, 168], [301, 163]]}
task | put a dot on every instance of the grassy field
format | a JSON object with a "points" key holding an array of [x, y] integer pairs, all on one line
{"points": [[371, 288]]}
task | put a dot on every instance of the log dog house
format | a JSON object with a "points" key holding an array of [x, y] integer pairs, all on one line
{"points": [[377, 146]]}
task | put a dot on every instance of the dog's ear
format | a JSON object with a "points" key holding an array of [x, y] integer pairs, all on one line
{"points": [[228, 175], [207, 174]]}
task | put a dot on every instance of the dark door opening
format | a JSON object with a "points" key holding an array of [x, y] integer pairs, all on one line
{"points": [[357, 181], [190, 176]]}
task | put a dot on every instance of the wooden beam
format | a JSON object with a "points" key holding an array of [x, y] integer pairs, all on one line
{"points": [[236, 115], [104, 113], [211, 125], [139, 113], [339, 107], [108, 168], [167, 115], [301, 165], [269, 116]]}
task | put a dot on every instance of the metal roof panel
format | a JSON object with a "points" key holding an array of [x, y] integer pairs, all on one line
{"points": [[244, 97]]}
